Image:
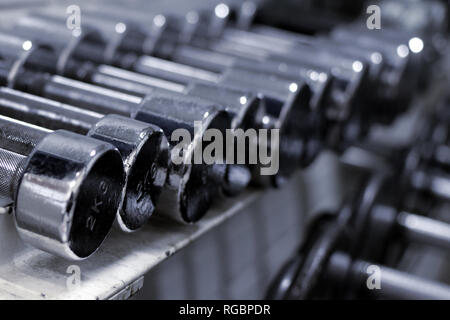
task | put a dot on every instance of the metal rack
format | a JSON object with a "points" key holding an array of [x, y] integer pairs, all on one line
{"points": [[117, 269]]}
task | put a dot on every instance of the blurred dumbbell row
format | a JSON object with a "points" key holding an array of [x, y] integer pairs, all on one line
{"points": [[356, 251]]}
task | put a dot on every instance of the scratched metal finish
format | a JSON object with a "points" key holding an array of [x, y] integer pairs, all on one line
{"points": [[85, 95], [44, 112], [18, 137]]}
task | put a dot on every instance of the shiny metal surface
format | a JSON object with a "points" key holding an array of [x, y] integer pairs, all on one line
{"points": [[425, 230], [176, 113], [279, 92], [12, 166], [69, 192], [143, 147], [394, 284]]}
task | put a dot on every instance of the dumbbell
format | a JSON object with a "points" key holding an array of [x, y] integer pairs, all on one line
{"points": [[388, 73], [255, 77], [435, 128], [380, 222], [323, 268], [421, 17], [190, 187], [302, 16], [182, 198], [378, 93], [241, 105], [143, 147], [435, 139], [388, 85], [172, 34], [123, 57], [428, 23], [395, 82], [300, 127], [113, 77], [246, 105], [65, 188], [422, 167], [32, 26], [388, 92], [107, 76], [402, 49], [110, 70], [337, 100], [165, 44], [310, 15]]}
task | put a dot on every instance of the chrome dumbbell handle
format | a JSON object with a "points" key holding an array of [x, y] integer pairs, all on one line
{"points": [[412, 227], [19, 137], [66, 191], [176, 112], [323, 267], [424, 230], [143, 147], [394, 284]]}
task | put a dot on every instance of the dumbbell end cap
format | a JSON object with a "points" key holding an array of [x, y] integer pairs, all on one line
{"points": [[237, 178], [145, 152], [294, 133], [69, 194], [202, 182]]}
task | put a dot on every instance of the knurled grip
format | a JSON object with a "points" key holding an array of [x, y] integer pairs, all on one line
{"points": [[12, 166], [20, 137]]}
